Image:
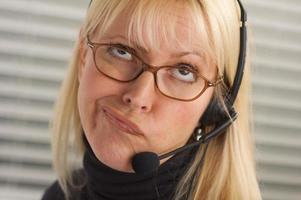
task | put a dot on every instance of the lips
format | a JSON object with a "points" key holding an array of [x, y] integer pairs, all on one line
{"points": [[121, 122]]}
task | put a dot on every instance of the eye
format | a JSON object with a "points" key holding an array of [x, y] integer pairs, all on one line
{"points": [[184, 73], [120, 53]]}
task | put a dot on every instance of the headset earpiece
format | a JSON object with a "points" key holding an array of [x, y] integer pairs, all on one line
{"points": [[215, 111]]}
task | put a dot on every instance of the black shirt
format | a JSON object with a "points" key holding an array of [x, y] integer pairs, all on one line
{"points": [[100, 182]]}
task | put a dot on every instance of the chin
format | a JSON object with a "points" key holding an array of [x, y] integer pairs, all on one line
{"points": [[115, 157]]}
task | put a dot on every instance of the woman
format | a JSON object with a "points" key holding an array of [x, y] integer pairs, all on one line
{"points": [[153, 76]]}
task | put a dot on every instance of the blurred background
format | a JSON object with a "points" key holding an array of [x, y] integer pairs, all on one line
{"points": [[36, 40]]}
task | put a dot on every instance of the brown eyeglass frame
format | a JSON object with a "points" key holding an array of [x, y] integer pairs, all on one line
{"points": [[153, 70]]}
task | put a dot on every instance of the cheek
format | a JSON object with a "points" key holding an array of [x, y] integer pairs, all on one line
{"points": [[179, 122], [93, 86], [185, 119], [187, 116], [176, 126], [85, 98]]}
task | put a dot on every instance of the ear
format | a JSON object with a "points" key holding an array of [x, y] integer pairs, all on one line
{"points": [[82, 55]]}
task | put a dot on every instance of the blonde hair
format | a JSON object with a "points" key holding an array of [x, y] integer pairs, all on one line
{"points": [[228, 171]]}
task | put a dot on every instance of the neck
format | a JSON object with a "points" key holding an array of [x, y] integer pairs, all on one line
{"points": [[104, 182]]}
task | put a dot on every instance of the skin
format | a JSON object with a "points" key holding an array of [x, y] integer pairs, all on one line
{"points": [[166, 123]]}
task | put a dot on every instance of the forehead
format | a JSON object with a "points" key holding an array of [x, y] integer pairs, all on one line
{"points": [[169, 26]]}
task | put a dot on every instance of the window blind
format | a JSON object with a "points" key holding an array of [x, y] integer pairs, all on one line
{"points": [[36, 40]]}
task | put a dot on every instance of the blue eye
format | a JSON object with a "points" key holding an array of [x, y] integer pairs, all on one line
{"points": [[120, 53], [183, 74]]}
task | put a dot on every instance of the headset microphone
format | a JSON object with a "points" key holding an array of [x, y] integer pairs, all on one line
{"points": [[146, 162]]}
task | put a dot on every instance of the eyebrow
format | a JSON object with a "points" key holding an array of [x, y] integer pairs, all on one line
{"points": [[181, 54], [145, 51], [136, 45]]}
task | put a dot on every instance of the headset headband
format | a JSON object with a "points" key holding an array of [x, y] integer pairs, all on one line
{"points": [[242, 55]]}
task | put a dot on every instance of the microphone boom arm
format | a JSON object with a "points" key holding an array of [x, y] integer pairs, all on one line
{"points": [[205, 138]]}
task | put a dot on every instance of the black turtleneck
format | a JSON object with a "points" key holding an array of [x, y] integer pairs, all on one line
{"points": [[100, 182]]}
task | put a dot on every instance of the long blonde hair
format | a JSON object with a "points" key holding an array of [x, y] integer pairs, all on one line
{"points": [[228, 171]]}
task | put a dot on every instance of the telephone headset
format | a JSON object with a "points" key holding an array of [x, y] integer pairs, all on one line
{"points": [[215, 114]]}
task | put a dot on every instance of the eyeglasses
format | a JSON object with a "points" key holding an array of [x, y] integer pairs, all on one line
{"points": [[118, 62]]}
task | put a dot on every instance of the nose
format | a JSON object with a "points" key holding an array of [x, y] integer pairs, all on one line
{"points": [[140, 93]]}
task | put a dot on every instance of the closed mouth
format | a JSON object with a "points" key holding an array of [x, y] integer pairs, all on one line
{"points": [[121, 122]]}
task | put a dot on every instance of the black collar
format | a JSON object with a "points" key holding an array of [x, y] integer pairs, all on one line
{"points": [[105, 183]]}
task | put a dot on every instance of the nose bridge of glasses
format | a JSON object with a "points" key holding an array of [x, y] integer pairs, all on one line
{"points": [[150, 68], [147, 68]]}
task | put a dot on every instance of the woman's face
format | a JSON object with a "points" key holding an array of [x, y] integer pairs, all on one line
{"points": [[164, 124]]}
